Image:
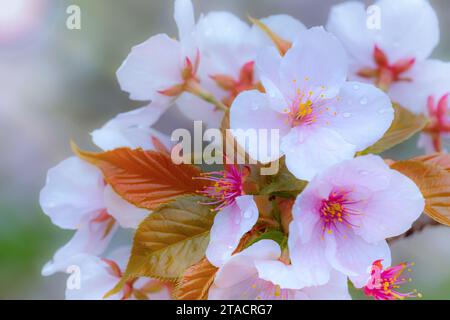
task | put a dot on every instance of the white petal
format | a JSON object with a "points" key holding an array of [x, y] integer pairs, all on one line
{"points": [[223, 41], [348, 22], [409, 29], [132, 129], [283, 25], [352, 255], [309, 66], [279, 273], [310, 150], [429, 78], [95, 280], [229, 226], [126, 214], [335, 289], [72, 193], [89, 239], [392, 211], [241, 266], [363, 114], [184, 18], [152, 66], [308, 258], [250, 112]]}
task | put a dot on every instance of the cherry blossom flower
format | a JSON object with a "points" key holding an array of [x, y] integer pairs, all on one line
{"points": [[133, 129], [228, 49], [237, 212], [344, 215], [428, 94], [98, 275], [257, 273], [321, 118], [384, 283], [76, 197], [161, 67], [391, 55]]}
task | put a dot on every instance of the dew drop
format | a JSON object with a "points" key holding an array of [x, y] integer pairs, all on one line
{"points": [[383, 111], [356, 87], [247, 214], [364, 101], [346, 114]]}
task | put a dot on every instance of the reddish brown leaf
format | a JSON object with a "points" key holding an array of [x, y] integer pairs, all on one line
{"points": [[144, 178], [439, 159], [196, 281], [434, 183]]}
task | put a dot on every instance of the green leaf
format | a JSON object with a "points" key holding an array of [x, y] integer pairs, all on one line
{"points": [[170, 240], [283, 184], [275, 235], [404, 126]]}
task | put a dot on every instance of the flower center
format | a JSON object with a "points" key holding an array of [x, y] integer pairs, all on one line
{"points": [[337, 212], [383, 284], [246, 81], [386, 73], [227, 185], [306, 108], [438, 113]]}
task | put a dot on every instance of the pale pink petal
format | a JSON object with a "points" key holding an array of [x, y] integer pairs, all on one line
{"points": [[361, 115], [309, 66], [279, 273], [348, 21], [311, 150], [89, 239], [230, 224], [184, 18], [335, 289], [251, 112], [240, 266], [283, 25], [429, 78], [352, 255], [409, 29], [126, 214], [223, 42], [132, 129], [73, 193], [152, 66], [95, 280], [308, 258], [392, 211]]}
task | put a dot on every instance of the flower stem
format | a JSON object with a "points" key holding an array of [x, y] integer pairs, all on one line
{"points": [[197, 90]]}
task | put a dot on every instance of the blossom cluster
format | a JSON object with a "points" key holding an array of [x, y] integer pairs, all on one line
{"points": [[337, 95]]}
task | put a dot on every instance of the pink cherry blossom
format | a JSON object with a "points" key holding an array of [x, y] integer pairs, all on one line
{"points": [[394, 54], [344, 216], [384, 283], [257, 273], [237, 212], [321, 118], [97, 276]]}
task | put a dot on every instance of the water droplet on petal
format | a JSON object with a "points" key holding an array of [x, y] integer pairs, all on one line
{"points": [[346, 114], [364, 101], [247, 214], [356, 87], [383, 111], [363, 172]]}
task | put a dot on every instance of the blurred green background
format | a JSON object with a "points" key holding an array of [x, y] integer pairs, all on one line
{"points": [[58, 84]]}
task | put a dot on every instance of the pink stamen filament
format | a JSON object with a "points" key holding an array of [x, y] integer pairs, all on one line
{"points": [[337, 211], [227, 186]]}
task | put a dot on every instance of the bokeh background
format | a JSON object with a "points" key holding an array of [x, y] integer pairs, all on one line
{"points": [[58, 84]]}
